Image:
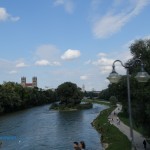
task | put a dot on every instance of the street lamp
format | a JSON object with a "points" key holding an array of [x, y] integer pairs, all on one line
{"points": [[141, 76]]}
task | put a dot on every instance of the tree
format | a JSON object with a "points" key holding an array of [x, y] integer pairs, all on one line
{"points": [[14, 97], [140, 94], [69, 93], [113, 100]]}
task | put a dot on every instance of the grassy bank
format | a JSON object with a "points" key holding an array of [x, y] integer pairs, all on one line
{"points": [[97, 101], [115, 139]]}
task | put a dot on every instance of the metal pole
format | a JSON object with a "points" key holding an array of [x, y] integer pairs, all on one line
{"points": [[130, 111]]}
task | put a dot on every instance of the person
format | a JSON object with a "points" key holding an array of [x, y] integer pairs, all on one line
{"points": [[144, 143], [76, 146], [82, 145]]}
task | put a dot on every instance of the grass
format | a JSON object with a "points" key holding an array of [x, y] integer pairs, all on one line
{"points": [[125, 120], [97, 101], [110, 134]]}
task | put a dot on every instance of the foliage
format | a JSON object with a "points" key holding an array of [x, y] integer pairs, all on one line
{"points": [[140, 95], [71, 106], [85, 106], [91, 94], [14, 97], [69, 93], [110, 134], [113, 100]]}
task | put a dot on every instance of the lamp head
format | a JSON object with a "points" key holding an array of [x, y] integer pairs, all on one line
{"points": [[114, 77], [142, 76]]}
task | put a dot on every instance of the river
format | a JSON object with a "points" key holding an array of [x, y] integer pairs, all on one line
{"points": [[39, 128]]}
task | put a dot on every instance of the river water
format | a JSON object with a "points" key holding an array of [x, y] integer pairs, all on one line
{"points": [[39, 128]]}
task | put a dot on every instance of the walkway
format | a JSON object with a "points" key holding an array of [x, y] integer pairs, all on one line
{"points": [[138, 138]]}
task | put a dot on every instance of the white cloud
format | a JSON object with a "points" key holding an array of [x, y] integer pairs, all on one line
{"points": [[104, 64], [113, 22], [102, 54], [21, 65], [103, 61], [4, 15], [42, 63], [46, 51], [84, 77], [13, 72], [67, 4], [47, 55], [55, 63], [70, 54]]}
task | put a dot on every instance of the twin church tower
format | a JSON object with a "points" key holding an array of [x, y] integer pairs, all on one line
{"points": [[32, 85]]}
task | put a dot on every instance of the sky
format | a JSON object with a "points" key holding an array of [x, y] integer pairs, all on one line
{"points": [[69, 40]]}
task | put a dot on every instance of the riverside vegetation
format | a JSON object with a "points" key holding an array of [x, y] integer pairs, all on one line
{"points": [[14, 97], [70, 97], [111, 137]]}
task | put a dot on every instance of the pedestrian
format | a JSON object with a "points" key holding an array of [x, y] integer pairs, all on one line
{"points": [[76, 146], [82, 145], [118, 121], [144, 143]]}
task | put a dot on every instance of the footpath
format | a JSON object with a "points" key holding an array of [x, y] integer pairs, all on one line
{"points": [[138, 138]]}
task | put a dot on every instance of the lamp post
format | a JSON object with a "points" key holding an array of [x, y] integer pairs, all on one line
{"points": [[141, 76]]}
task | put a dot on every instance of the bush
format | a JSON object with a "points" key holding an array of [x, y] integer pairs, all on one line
{"points": [[54, 106], [85, 106], [113, 100]]}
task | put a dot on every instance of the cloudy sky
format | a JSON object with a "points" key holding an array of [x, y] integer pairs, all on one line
{"points": [[68, 40]]}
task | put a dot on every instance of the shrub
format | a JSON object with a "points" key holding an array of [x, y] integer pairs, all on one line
{"points": [[113, 100]]}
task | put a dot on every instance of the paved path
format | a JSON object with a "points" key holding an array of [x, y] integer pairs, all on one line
{"points": [[138, 138]]}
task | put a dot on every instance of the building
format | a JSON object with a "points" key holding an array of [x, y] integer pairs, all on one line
{"points": [[25, 84], [83, 88]]}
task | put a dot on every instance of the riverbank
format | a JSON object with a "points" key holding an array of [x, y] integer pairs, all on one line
{"points": [[111, 137], [70, 107]]}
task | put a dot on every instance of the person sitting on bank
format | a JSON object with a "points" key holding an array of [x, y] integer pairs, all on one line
{"points": [[82, 145], [76, 146]]}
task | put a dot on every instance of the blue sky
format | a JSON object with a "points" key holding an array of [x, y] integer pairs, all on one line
{"points": [[68, 40]]}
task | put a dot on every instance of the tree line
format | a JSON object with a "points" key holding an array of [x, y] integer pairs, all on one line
{"points": [[140, 92], [14, 97]]}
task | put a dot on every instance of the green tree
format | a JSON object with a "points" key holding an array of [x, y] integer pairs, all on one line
{"points": [[113, 100], [140, 94], [69, 93]]}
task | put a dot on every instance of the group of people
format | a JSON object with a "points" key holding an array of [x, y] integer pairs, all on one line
{"points": [[79, 146]]}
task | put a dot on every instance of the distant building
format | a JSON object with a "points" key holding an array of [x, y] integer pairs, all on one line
{"points": [[32, 85], [83, 88]]}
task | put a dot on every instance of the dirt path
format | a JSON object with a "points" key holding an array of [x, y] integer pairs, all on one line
{"points": [[138, 138]]}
